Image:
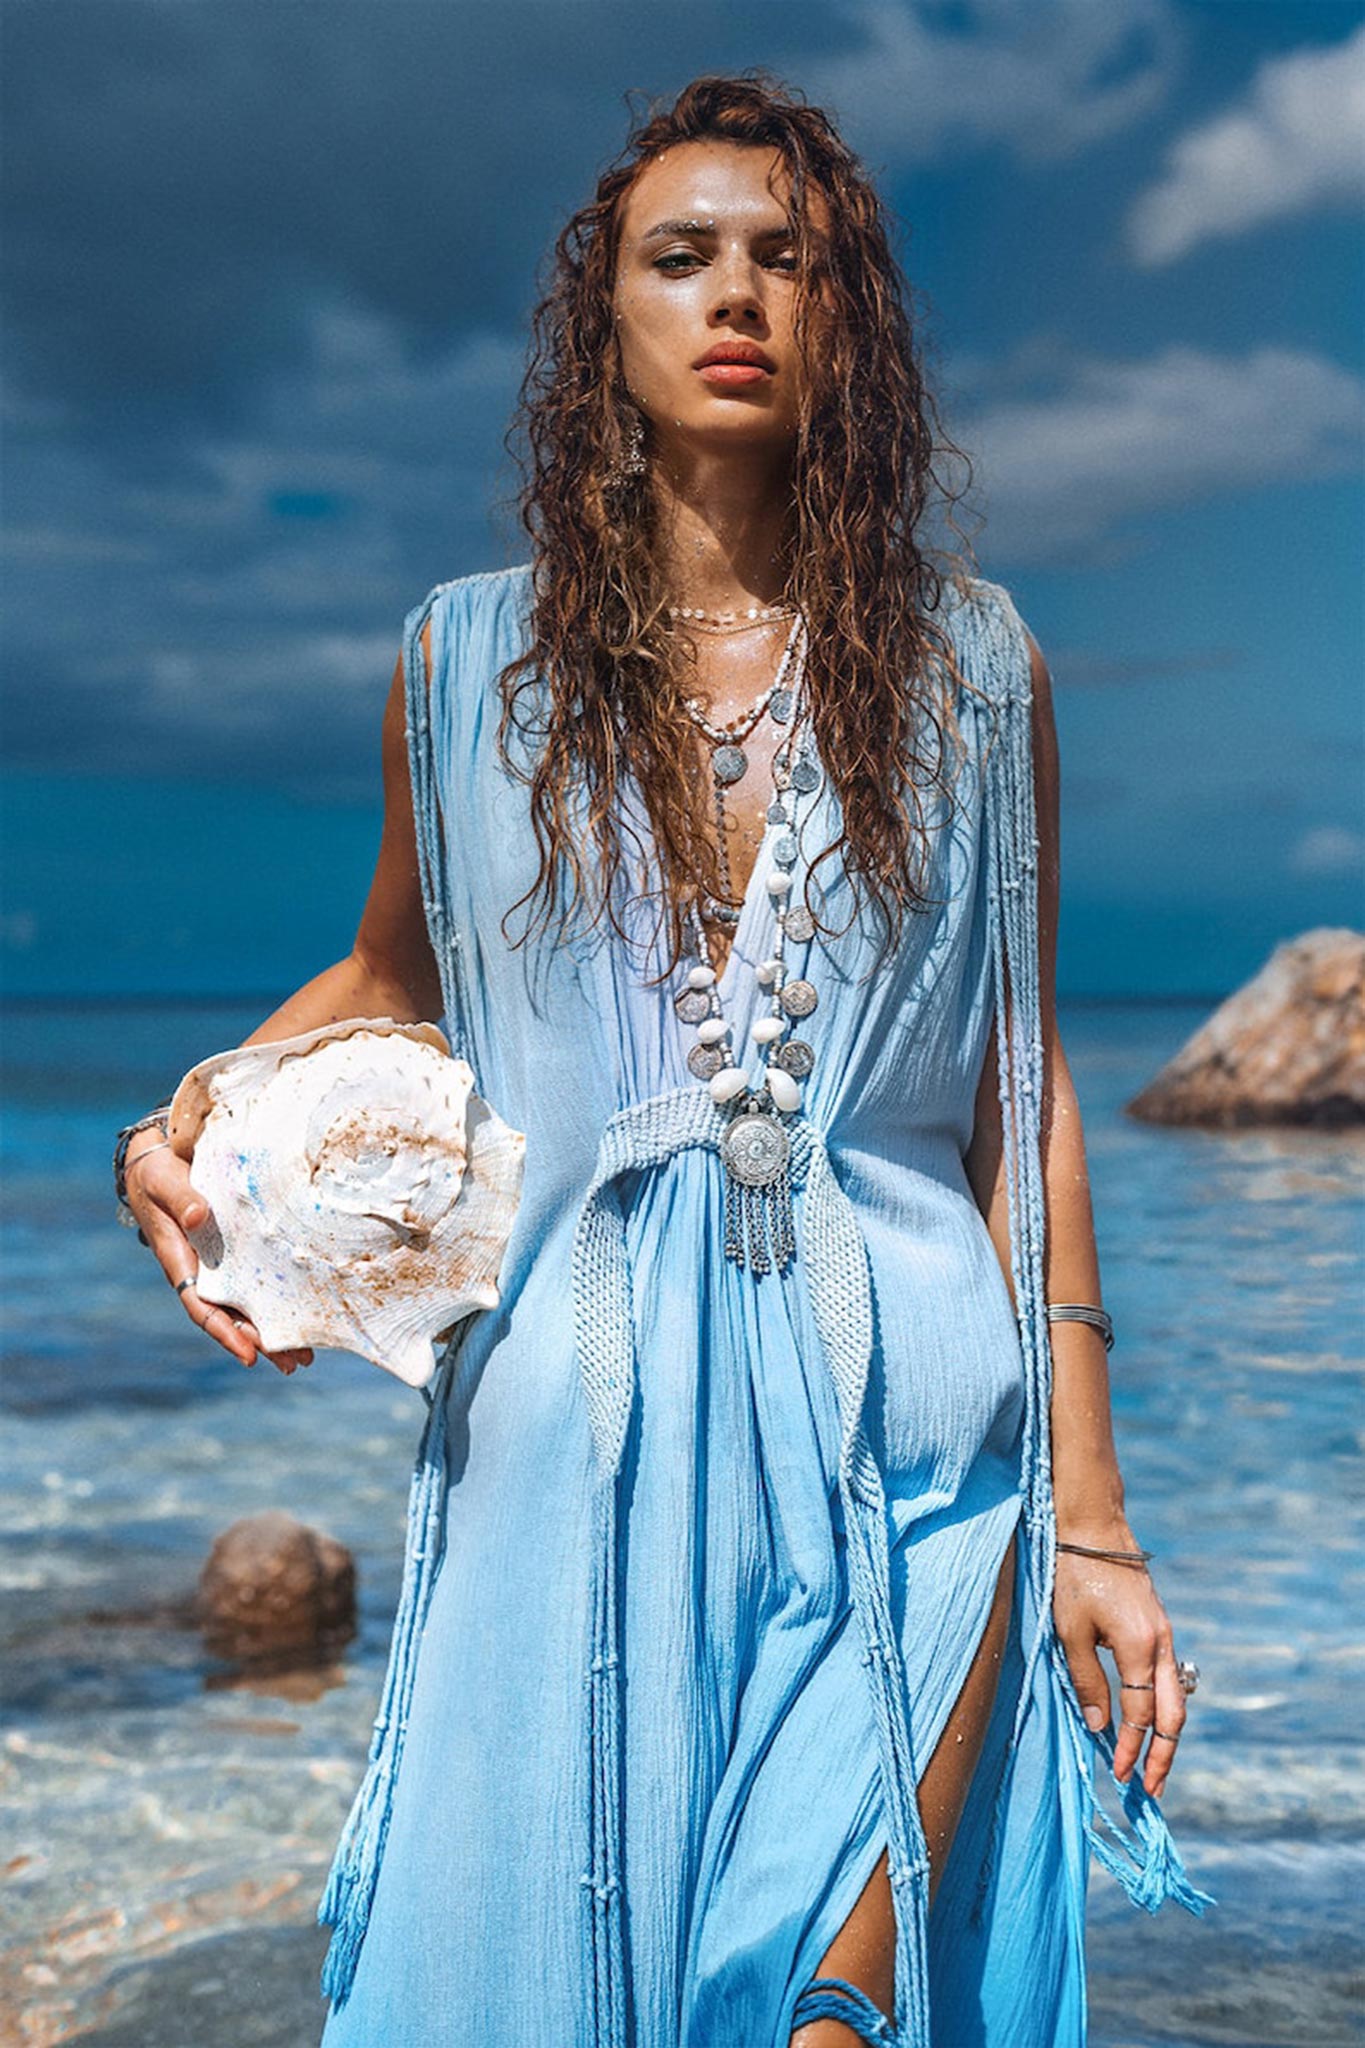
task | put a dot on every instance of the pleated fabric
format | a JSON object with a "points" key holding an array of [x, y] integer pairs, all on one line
{"points": [[698, 1558]]}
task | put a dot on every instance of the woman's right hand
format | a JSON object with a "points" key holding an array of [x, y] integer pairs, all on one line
{"points": [[166, 1206]]}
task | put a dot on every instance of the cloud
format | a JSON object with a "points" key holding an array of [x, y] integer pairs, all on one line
{"points": [[238, 613], [1296, 146], [1328, 850], [1043, 82], [1072, 468]]}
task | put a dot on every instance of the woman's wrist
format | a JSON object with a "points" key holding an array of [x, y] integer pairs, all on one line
{"points": [[1090, 1508], [1107, 1529], [125, 1153]]}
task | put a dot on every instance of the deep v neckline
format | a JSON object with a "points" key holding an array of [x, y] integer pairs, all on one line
{"points": [[743, 930], [742, 933]]}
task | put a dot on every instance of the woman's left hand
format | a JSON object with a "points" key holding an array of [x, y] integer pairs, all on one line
{"points": [[1098, 1605]]}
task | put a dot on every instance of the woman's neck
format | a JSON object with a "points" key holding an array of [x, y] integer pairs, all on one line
{"points": [[723, 522]]}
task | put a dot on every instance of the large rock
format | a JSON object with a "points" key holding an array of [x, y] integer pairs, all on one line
{"points": [[274, 1589], [1289, 1048]]}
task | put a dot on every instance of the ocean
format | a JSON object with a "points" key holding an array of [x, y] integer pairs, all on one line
{"points": [[166, 1834]]}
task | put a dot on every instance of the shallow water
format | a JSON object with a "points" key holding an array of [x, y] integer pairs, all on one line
{"points": [[166, 1839]]}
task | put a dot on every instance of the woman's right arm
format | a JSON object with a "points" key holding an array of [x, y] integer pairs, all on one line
{"points": [[390, 971]]}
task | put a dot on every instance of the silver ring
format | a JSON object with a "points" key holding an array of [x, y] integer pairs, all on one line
{"points": [[1138, 1727], [1163, 1738], [181, 1285], [1135, 1685], [1188, 1674], [216, 1310]]}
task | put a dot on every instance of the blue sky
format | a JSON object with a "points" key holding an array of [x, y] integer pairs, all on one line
{"points": [[268, 272]]}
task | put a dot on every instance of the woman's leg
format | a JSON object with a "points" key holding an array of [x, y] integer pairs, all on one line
{"points": [[863, 1952]]}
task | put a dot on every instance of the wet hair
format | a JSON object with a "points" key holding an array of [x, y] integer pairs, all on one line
{"points": [[600, 689]]}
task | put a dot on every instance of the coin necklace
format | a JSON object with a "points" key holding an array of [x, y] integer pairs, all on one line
{"points": [[755, 1146]]}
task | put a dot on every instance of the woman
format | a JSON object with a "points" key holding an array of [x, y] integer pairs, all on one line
{"points": [[745, 1682]]}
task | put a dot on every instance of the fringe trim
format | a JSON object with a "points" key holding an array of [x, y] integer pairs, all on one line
{"points": [[349, 1895], [997, 657]]}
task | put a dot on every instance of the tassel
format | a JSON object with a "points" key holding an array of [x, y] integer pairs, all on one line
{"points": [[759, 1224], [346, 1902], [834, 1998], [603, 1929]]}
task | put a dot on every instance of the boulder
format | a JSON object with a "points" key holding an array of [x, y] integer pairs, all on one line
{"points": [[275, 1590], [1288, 1048]]}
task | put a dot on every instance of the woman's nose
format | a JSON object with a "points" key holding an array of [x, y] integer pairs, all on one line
{"points": [[736, 297]]}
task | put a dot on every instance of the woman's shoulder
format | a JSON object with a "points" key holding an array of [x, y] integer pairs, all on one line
{"points": [[978, 594], [462, 599], [992, 641]]}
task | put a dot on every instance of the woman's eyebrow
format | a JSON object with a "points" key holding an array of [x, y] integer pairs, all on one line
{"points": [[662, 229]]}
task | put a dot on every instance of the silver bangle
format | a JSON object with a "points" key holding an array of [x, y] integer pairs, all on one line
{"points": [[1112, 1556], [1083, 1312], [138, 1157]]}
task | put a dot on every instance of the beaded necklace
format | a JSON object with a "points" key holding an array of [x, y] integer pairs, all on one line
{"points": [[755, 1147]]}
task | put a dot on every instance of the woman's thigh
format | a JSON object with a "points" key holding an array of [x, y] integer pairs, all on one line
{"points": [[863, 1952]]}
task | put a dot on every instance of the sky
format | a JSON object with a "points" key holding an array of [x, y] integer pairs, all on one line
{"points": [[268, 271]]}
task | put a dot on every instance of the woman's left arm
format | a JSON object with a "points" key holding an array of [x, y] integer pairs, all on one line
{"points": [[1096, 1603]]}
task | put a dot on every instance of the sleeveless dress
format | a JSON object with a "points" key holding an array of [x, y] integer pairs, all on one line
{"points": [[699, 1557]]}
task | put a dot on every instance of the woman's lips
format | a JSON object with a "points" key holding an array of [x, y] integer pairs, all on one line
{"points": [[729, 374]]}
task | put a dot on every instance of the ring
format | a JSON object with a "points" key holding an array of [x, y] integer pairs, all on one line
{"points": [[1163, 1738], [1138, 1727], [1134, 1685], [216, 1310], [1188, 1674], [181, 1285]]}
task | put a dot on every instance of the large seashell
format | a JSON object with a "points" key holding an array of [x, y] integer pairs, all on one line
{"points": [[361, 1194]]}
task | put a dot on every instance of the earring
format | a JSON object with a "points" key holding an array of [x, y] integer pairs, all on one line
{"points": [[632, 463]]}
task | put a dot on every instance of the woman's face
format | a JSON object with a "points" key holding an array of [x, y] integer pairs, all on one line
{"points": [[706, 261]]}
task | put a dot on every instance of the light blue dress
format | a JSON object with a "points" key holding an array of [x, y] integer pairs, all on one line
{"points": [[699, 1557]]}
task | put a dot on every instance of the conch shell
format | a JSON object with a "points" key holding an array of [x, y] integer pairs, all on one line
{"points": [[361, 1193]]}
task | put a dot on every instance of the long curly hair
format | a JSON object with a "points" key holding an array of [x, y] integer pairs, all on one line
{"points": [[601, 687]]}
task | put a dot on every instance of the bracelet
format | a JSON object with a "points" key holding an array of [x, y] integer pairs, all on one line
{"points": [[1114, 1556], [157, 1119], [1083, 1312]]}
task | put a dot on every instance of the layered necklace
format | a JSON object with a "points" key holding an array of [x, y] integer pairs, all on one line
{"points": [[755, 1146]]}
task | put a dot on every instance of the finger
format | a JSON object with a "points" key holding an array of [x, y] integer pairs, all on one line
{"points": [[1135, 1656], [165, 1181], [290, 1361], [233, 1333], [1169, 1720], [1091, 1681]]}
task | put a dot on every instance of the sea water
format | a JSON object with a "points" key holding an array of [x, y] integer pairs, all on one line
{"points": [[166, 1835]]}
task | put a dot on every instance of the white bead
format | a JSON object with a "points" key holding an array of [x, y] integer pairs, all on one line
{"points": [[779, 884], [711, 1030], [700, 977], [727, 1084], [767, 972], [766, 1030], [783, 1088]]}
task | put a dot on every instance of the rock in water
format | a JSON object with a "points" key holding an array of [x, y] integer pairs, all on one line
{"points": [[274, 1589], [1289, 1048]]}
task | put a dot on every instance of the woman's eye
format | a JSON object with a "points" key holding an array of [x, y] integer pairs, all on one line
{"points": [[669, 264]]}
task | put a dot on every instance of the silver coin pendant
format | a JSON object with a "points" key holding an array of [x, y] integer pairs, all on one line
{"points": [[796, 1057], [755, 1148], [692, 1005]]}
